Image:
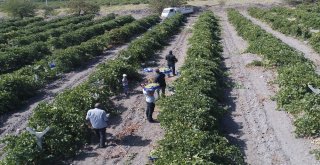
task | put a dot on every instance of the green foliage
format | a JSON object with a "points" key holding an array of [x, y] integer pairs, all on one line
{"points": [[190, 116], [294, 74], [17, 23], [142, 49], [85, 33], [66, 114], [15, 58], [317, 153], [295, 2], [83, 7], [66, 60], [51, 33], [159, 5], [314, 7], [115, 69], [121, 2], [20, 8], [38, 27], [255, 63]]}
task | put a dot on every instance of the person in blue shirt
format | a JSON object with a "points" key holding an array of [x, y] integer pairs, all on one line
{"points": [[98, 119]]}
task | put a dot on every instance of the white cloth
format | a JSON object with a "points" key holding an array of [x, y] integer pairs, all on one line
{"points": [[98, 118], [149, 96]]}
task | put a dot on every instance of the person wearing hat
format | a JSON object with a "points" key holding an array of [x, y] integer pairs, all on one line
{"points": [[98, 119], [171, 60], [160, 79], [125, 84], [150, 102]]}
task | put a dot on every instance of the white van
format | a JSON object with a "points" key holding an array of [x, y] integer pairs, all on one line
{"points": [[170, 11]]}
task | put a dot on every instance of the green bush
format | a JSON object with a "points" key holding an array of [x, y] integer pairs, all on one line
{"points": [[83, 7]]}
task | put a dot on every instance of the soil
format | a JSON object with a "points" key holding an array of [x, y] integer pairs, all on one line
{"points": [[264, 134], [130, 136]]}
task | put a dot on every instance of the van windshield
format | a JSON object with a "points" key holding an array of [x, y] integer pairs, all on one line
{"points": [[166, 11]]}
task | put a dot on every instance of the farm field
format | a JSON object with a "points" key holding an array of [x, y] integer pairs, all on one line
{"points": [[241, 95]]}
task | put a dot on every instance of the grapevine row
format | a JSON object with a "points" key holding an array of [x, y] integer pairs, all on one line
{"points": [[56, 32], [41, 22], [294, 74], [55, 23], [18, 23], [190, 117], [85, 33], [66, 114], [15, 58]]}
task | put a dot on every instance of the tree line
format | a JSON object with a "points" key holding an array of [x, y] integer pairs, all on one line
{"points": [[27, 8]]}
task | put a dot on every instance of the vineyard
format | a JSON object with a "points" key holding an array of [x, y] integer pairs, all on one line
{"points": [[242, 94], [295, 72], [76, 100]]}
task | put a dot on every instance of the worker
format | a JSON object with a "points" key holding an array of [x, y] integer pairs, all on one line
{"points": [[149, 94], [98, 119], [160, 79], [171, 60], [125, 84]]}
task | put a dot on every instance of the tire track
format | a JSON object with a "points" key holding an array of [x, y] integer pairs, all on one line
{"points": [[249, 125], [265, 135]]}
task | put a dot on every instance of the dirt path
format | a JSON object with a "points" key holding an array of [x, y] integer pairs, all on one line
{"points": [[130, 136], [13, 123], [264, 134], [300, 46]]}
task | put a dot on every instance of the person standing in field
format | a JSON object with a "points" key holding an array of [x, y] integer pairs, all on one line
{"points": [[171, 60], [98, 119], [125, 84], [150, 103], [160, 79]]}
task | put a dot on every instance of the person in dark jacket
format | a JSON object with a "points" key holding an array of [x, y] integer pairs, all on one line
{"points": [[160, 79], [171, 60]]}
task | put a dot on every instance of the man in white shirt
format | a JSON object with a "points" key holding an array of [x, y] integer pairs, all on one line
{"points": [[150, 103], [98, 119]]}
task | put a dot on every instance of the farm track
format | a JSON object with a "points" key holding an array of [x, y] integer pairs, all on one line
{"points": [[300, 46], [13, 123], [264, 134], [130, 136]]}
